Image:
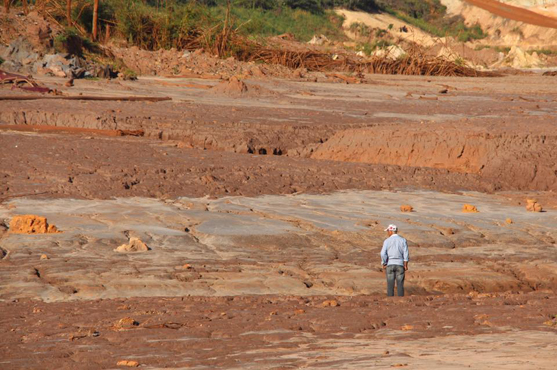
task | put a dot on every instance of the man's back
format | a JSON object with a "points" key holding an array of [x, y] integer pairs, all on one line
{"points": [[394, 251]]}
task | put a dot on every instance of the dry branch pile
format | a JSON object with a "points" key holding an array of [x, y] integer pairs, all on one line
{"points": [[415, 62]]}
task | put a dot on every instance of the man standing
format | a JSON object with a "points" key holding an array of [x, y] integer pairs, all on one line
{"points": [[394, 256]]}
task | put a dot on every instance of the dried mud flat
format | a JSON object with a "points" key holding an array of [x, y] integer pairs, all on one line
{"points": [[264, 211]]}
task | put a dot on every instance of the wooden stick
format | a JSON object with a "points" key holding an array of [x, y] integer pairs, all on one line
{"points": [[95, 19]]}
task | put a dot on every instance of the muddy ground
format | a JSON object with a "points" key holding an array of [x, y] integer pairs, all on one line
{"points": [[264, 207]]}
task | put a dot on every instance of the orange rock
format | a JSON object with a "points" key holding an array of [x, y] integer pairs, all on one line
{"points": [[509, 221], [468, 208], [331, 303], [128, 363], [532, 205], [406, 208], [44, 257], [407, 327], [31, 224]]}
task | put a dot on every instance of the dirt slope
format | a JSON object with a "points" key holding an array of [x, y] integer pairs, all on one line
{"points": [[515, 13], [528, 159], [382, 21]]}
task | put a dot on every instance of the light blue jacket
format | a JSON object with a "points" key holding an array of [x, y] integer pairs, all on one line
{"points": [[394, 251]]}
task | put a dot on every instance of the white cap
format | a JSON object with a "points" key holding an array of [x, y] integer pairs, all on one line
{"points": [[391, 228]]}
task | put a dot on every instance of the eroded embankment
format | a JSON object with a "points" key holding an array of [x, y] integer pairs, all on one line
{"points": [[236, 137], [522, 160]]}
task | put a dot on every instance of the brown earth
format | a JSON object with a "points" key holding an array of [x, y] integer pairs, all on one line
{"points": [[283, 332], [484, 134], [272, 262], [529, 159]]}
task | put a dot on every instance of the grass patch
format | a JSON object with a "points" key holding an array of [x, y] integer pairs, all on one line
{"points": [[303, 24]]}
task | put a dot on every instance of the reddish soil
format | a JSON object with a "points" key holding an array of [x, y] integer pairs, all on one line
{"points": [[280, 137], [278, 332]]}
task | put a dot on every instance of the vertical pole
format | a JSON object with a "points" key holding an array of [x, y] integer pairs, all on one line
{"points": [[69, 12], [95, 19]]}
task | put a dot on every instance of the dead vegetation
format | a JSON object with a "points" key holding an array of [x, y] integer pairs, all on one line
{"points": [[415, 62]]}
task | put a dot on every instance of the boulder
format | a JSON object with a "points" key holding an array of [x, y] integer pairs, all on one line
{"points": [[31, 224], [406, 208], [532, 205], [134, 245], [468, 208]]}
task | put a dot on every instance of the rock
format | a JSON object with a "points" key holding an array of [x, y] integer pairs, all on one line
{"points": [[69, 83], [407, 327], [125, 323], [447, 231], [128, 363], [532, 205], [331, 303], [509, 221], [392, 52], [406, 208], [468, 208], [31, 224], [44, 257], [319, 40], [134, 245]]}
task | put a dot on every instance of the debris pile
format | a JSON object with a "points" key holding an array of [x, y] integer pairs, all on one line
{"points": [[518, 58], [21, 82], [414, 62]]}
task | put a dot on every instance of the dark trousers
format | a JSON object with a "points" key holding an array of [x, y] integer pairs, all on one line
{"points": [[395, 272]]}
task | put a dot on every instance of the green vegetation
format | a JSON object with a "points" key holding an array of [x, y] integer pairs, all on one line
{"points": [[301, 23], [155, 24], [547, 52]]}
